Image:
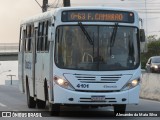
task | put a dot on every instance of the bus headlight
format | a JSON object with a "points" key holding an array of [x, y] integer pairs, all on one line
{"points": [[131, 84], [63, 83]]}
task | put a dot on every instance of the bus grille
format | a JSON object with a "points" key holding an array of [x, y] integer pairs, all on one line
{"points": [[98, 79]]}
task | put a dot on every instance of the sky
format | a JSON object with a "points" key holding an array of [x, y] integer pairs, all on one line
{"points": [[13, 11]]}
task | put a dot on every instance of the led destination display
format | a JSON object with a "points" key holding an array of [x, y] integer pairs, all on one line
{"points": [[97, 16]]}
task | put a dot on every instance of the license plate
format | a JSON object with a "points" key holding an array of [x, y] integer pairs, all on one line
{"points": [[98, 98]]}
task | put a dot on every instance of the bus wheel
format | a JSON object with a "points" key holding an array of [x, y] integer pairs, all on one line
{"points": [[54, 109], [119, 109], [41, 104], [30, 100], [46, 90]]}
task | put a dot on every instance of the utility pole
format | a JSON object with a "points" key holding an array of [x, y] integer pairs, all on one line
{"points": [[11, 77], [45, 5], [66, 3]]}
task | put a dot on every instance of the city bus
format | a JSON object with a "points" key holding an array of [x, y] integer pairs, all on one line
{"points": [[81, 56]]}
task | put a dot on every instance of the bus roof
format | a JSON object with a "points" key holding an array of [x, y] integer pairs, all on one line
{"points": [[96, 8], [41, 16], [49, 14]]}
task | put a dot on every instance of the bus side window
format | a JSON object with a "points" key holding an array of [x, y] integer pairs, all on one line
{"points": [[31, 36], [42, 37], [29, 39], [37, 42], [24, 40], [20, 39], [46, 43], [39, 37], [42, 41]]}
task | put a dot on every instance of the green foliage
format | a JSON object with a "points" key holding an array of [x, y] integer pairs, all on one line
{"points": [[153, 50], [144, 59], [152, 38]]}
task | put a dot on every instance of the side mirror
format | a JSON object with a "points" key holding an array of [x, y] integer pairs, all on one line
{"points": [[50, 34], [142, 35]]}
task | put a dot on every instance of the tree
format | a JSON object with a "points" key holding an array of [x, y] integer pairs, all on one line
{"points": [[151, 38], [153, 49]]}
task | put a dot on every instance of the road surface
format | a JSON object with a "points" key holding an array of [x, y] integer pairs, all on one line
{"points": [[12, 100]]}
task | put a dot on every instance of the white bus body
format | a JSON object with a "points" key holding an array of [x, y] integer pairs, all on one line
{"points": [[81, 56]]}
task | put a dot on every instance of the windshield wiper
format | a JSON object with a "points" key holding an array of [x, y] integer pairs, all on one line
{"points": [[86, 33], [113, 36]]}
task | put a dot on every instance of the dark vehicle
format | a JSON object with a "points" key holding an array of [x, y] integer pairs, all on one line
{"points": [[153, 64]]}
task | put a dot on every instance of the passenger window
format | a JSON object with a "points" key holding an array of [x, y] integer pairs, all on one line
{"points": [[42, 37], [39, 37], [20, 39], [47, 42], [46, 47], [42, 41], [28, 38]]}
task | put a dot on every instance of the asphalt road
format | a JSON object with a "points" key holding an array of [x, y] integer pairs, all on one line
{"points": [[12, 100]]}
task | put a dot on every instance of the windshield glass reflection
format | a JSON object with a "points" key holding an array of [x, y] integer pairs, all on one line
{"points": [[74, 50]]}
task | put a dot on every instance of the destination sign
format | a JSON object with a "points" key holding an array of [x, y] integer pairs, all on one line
{"points": [[97, 16]]}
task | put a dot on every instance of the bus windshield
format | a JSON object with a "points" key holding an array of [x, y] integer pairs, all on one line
{"points": [[99, 52]]}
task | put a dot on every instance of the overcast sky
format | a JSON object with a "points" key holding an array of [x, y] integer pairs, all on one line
{"points": [[13, 11]]}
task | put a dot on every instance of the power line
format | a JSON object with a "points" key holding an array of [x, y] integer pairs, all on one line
{"points": [[44, 6], [57, 3], [38, 4], [60, 3]]}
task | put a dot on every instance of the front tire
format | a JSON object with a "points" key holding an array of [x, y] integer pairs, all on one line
{"points": [[41, 104], [30, 100], [151, 70], [54, 109], [119, 109]]}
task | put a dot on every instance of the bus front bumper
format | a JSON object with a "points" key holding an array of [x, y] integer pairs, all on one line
{"points": [[65, 96]]}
